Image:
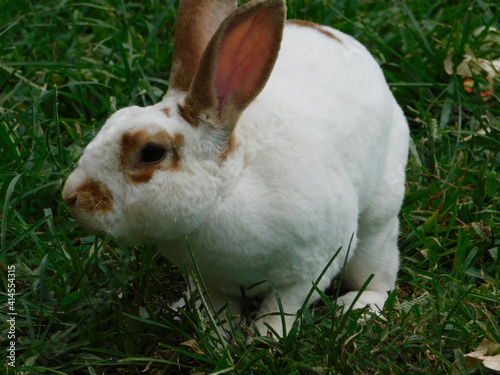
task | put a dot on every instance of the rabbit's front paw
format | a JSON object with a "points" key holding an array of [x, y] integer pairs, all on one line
{"points": [[374, 300], [274, 326]]}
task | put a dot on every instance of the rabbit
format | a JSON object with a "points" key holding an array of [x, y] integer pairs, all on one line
{"points": [[277, 145]]}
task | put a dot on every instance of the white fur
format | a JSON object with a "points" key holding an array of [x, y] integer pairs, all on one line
{"points": [[320, 159]]}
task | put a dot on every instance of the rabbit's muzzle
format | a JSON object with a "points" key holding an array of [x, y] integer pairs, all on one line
{"points": [[87, 198]]}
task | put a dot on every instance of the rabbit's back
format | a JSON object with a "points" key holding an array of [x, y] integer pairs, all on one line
{"points": [[326, 112]]}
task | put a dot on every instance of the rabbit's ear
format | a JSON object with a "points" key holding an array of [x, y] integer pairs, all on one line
{"points": [[197, 21], [237, 63]]}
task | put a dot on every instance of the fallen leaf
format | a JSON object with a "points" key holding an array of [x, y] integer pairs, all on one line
{"points": [[472, 66], [193, 345], [487, 353]]}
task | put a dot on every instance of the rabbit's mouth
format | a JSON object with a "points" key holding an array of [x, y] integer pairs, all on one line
{"points": [[86, 219]]}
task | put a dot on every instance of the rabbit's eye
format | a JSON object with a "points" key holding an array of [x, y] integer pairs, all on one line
{"points": [[151, 154]]}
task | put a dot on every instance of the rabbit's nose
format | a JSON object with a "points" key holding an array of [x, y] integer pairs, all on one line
{"points": [[69, 195], [70, 199]]}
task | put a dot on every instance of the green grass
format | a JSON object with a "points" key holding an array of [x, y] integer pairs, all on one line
{"points": [[88, 305]]}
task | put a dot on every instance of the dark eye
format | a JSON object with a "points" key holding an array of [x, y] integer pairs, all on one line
{"points": [[151, 154]]}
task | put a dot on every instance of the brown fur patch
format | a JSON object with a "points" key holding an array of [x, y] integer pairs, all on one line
{"points": [[314, 26], [178, 144], [187, 113], [166, 110], [138, 172], [94, 196], [231, 145]]}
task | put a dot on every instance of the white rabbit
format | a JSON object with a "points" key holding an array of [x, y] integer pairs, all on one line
{"points": [[276, 144]]}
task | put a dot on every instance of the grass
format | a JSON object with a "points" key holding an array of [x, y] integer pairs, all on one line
{"points": [[89, 305]]}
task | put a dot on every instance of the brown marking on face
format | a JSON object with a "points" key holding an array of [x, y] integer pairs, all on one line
{"points": [[93, 196], [177, 145], [132, 144], [166, 110], [314, 26]]}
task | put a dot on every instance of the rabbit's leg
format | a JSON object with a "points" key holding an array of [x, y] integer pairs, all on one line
{"points": [[222, 307], [376, 254], [225, 308], [292, 299]]}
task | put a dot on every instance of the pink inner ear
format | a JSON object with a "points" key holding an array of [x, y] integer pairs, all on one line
{"points": [[243, 58]]}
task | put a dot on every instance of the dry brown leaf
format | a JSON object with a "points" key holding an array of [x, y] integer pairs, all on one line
{"points": [[471, 65], [193, 345], [486, 353]]}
